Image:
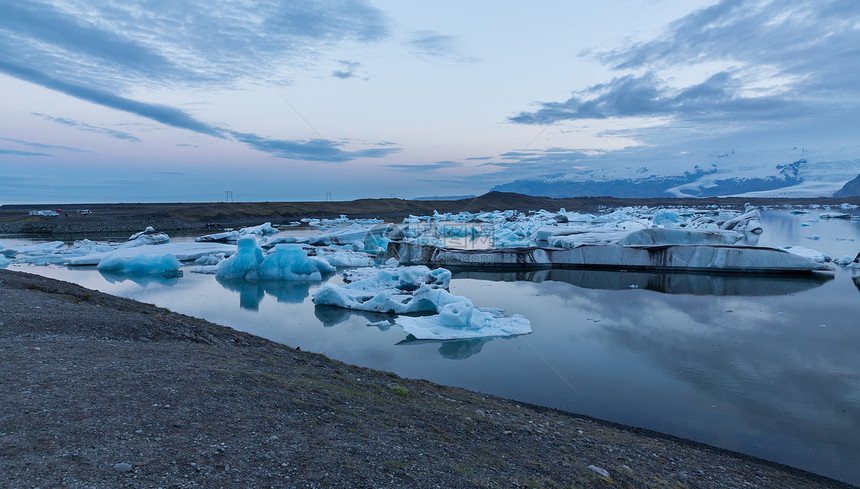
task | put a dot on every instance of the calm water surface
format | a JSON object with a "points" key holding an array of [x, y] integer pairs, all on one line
{"points": [[766, 366]]}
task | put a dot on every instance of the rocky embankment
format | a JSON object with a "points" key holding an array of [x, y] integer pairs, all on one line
{"points": [[92, 227], [100, 391]]}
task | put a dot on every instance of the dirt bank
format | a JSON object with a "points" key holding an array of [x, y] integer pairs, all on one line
{"points": [[100, 391]]}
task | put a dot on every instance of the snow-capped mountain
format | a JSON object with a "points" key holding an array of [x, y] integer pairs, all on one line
{"points": [[800, 178]]}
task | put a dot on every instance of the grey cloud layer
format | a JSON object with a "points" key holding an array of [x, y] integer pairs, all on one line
{"points": [[164, 43], [425, 167], [432, 45], [717, 98], [812, 46], [94, 51]]}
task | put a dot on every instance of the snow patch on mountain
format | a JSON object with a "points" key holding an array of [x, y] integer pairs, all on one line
{"points": [[732, 175]]}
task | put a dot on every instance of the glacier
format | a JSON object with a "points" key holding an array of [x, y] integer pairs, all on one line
{"points": [[739, 174]]}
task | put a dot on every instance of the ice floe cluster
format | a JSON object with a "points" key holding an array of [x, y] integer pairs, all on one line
{"points": [[419, 289]]}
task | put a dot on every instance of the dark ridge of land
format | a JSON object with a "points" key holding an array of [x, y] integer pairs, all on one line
{"points": [[101, 391], [125, 218]]}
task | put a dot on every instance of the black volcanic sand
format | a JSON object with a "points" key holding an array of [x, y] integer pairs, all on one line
{"points": [[122, 219], [100, 391]]}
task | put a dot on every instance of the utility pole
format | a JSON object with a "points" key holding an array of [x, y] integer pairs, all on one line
{"points": [[228, 197], [328, 197]]}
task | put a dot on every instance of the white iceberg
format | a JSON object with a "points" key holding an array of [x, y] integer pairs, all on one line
{"points": [[185, 251], [140, 265], [4, 262], [262, 230], [149, 236], [462, 320], [834, 215]]}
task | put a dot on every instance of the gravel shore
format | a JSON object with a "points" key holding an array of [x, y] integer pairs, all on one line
{"points": [[100, 391]]}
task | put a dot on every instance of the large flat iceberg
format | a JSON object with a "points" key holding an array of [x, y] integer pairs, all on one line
{"points": [[186, 251], [701, 258]]}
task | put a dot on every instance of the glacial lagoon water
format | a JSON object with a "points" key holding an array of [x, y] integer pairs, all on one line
{"points": [[762, 365]]}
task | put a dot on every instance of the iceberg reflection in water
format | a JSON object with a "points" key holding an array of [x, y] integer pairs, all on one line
{"points": [[666, 282]]}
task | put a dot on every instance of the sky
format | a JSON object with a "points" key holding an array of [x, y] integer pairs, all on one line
{"points": [[159, 100]]}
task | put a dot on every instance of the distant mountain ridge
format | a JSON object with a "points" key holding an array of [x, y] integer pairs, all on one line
{"points": [[850, 189], [797, 179]]}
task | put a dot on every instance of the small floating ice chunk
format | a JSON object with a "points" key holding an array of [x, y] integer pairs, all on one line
{"points": [[844, 261], [219, 237], [149, 236], [813, 237], [40, 248], [140, 264], [4, 262], [262, 230], [834, 215], [461, 320]]}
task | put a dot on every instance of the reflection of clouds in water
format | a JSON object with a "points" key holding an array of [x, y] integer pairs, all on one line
{"points": [[801, 380], [768, 359]]}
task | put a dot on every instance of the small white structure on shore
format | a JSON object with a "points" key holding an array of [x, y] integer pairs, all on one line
{"points": [[44, 213]]}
